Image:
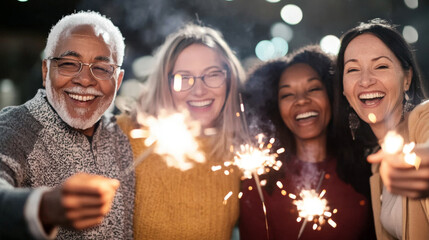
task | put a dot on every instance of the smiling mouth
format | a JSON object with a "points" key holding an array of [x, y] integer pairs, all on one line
{"points": [[306, 115], [201, 104], [81, 98], [371, 98]]}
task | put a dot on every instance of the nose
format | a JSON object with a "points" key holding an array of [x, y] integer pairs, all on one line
{"points": [[302, 99], [85, 77], [367, 79], [199, 88]]}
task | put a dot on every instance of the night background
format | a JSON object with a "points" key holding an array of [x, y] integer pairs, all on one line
{"points": [[24, 27]]}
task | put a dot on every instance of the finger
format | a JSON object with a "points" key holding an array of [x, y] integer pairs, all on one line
{"points": [[90, 184], [79, 214], [376, 157], [86, 223], [412, 193]]}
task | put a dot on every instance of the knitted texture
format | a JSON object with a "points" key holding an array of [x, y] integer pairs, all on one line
{"points": [[174, 204], [37, 148]]}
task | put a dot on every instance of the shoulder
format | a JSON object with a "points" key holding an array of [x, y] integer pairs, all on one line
{"points": [[17, 126], [418, 123]]}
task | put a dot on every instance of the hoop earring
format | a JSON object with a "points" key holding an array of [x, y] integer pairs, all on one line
{"points": [[353, 123], [408, 104]]}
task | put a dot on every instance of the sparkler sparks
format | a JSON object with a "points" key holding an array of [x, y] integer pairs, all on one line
{"points": [[394, 144], [173, 137]]}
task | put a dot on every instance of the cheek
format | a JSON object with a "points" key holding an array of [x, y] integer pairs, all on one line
{"points": [[284, 111], [178, 98]]}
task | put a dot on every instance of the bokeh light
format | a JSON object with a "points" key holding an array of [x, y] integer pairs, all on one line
{"points": [[291, 14], [330, 44], [413, 4], [273, 1], [281, 47], [282, 30], [264, 50], [410, 34], [276, 47]]}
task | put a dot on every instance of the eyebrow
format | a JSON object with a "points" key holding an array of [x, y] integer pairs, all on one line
{"points": [[75, 54], [204, 71], [374, 59], [308, 80]]}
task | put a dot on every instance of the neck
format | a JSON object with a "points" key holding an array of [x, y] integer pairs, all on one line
{"points": [[311, 150]]}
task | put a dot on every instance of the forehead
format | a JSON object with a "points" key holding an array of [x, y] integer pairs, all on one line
{"points": [[86, 41], [365, 45], [197, 57], [299, 73]]}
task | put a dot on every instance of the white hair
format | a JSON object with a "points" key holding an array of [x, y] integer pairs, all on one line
{"points": [[87, 18]]}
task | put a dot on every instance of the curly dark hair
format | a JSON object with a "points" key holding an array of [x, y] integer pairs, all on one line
{"points": [[261, 96]]}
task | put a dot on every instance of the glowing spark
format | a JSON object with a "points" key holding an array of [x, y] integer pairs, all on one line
{"points": [[226, 172], [372, 118], [394, 143], [291, 195], [237, 114], [279, 184], [263, 182], [240, 194], [332, 223], [250, 188], [216, 168], [256, 160], [280, 150], [312, 207], [174, 138], [284, 192], [225, 199], [210, 131]]}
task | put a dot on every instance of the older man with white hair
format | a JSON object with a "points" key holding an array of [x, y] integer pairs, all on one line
{"points": [[62, 161]]}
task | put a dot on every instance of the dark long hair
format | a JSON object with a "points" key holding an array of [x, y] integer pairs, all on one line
{"points": [[365, 140]]}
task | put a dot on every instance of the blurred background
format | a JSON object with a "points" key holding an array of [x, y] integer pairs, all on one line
{"points": [[256, 29]]}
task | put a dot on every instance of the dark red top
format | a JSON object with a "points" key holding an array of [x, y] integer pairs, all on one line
{"points": [[353, 219]]}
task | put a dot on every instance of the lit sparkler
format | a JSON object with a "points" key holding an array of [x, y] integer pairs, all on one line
{"points": [[313, 207], [172, 136], [394, 144]]}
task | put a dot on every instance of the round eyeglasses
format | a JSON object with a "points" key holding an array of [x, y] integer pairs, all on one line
{"points": [[71, 68], [183, 81]]}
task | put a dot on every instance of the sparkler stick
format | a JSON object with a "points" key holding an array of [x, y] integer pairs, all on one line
{"points": [[140, 159], [255, 175], [319, 185]]}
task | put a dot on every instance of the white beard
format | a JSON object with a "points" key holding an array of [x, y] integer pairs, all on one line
{"points": [[58, 102]]}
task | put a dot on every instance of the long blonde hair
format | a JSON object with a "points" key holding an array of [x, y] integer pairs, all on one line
{"points": [[158, 93]]}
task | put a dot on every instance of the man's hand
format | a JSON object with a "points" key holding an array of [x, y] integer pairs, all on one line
{"points": [[402, 178], [80, 202]]}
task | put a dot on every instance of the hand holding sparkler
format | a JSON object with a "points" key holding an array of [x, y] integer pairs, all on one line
{"points": [[396, 166]]}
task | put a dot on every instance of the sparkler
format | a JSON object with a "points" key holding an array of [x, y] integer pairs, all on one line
{"points": [[170, 135], [253, 160], [394, 144], [313, 207]]}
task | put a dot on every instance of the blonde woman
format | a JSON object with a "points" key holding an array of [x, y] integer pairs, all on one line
{"points": [[174, 204]]}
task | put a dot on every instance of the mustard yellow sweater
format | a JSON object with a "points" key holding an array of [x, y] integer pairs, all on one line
{"points": [[174, 204]]}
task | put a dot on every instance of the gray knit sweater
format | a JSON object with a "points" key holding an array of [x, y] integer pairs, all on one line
{"points": [[38, 149]]}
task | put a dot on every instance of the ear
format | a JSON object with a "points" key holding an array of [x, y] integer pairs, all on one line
{"points": [[408, 78], [120, 78], [44, 71]]}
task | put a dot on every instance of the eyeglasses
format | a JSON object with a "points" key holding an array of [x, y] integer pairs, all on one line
{"points": [[71, 68], [181, 82]]}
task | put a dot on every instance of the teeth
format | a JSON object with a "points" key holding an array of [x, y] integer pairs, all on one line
{"points": [[366, 96], [306, 115], [200, 103], [81, 98]]}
